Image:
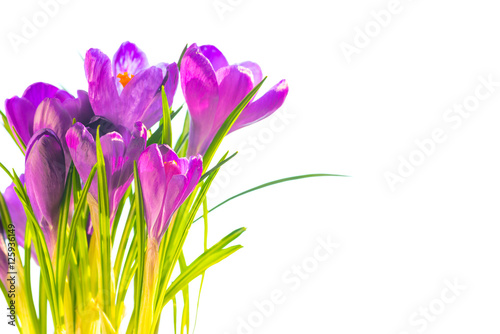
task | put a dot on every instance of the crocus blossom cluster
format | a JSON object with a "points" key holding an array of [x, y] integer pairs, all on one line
{"points": [[123, 108]]}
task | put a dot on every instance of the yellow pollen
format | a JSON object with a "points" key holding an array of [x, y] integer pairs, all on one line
{"points": [[125, 78]]}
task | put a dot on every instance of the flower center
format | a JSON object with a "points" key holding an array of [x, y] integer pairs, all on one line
{"points": [[124, 78], [171, 167]]}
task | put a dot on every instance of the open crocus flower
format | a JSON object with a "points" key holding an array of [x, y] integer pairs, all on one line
{"points": [[120, 148], [166, 181], [45, 106], [127, 90], [45, 179], [213, 88]]}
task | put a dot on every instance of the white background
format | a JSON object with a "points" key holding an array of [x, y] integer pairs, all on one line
{"points": [[398, 247]]}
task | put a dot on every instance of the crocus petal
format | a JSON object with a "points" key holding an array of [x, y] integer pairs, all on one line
{"points": [[45, 180], [102, 93], [82, 149], [154, 112], [16, 211], [78, 108], [214, 55], [256, 71], [199, 85], [263, 107], [38, 92], [50, 114], [193, 175], [20, 114], [153, 183], [145, 109], [129, 58], [235, 82]]}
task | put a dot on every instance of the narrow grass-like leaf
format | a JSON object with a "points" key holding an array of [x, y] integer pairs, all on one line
{"points": [[195, 269], [182, 142], [140, 230], [182, 55], [205, 248], [61, 232], [167, 125], [286, 179], [129, 224], [104, 235], [219, 165], [118, 214], [185, 297], [80, 206]]}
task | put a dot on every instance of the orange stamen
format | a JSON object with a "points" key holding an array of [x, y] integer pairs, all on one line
{"points": [[125, 78]]}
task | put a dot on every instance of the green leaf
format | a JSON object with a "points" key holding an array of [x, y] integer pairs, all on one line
{"points": [[226, 126], [118, 214], [104, 235], [292, 178], [167, 125], [140, 230], [205, 247], [182, 142], [213, 255], [156, 136], [182, 55], [219, 165], [75, 221]]}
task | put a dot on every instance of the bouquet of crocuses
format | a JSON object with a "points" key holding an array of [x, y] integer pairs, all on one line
{"points": [[89, 157]]}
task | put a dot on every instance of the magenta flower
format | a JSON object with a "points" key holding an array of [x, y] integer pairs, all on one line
{"points": [[213, 88], [120, 148], [45, 179], [166, 181], [45, 106], [127, 90]]}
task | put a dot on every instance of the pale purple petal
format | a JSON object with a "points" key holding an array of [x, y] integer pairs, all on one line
{"points": [[82, 149], [39, 91], [263, 107], [235, 82], [45, 180], [153, 183], [214, 55], [20, 113], [129, 58], [256, 71], [102, 93]]}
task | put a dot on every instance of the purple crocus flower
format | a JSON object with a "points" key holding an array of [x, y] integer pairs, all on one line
{"points": [[45, 106], [45, 181], [120, 148], [127, 90], [166, 181], [213, 88]]}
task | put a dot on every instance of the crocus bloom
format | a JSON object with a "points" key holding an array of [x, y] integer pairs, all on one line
{"points": [[120, 148], [213, 88], [45, 106], [166, 181], [127, 90], [45, 181]]}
